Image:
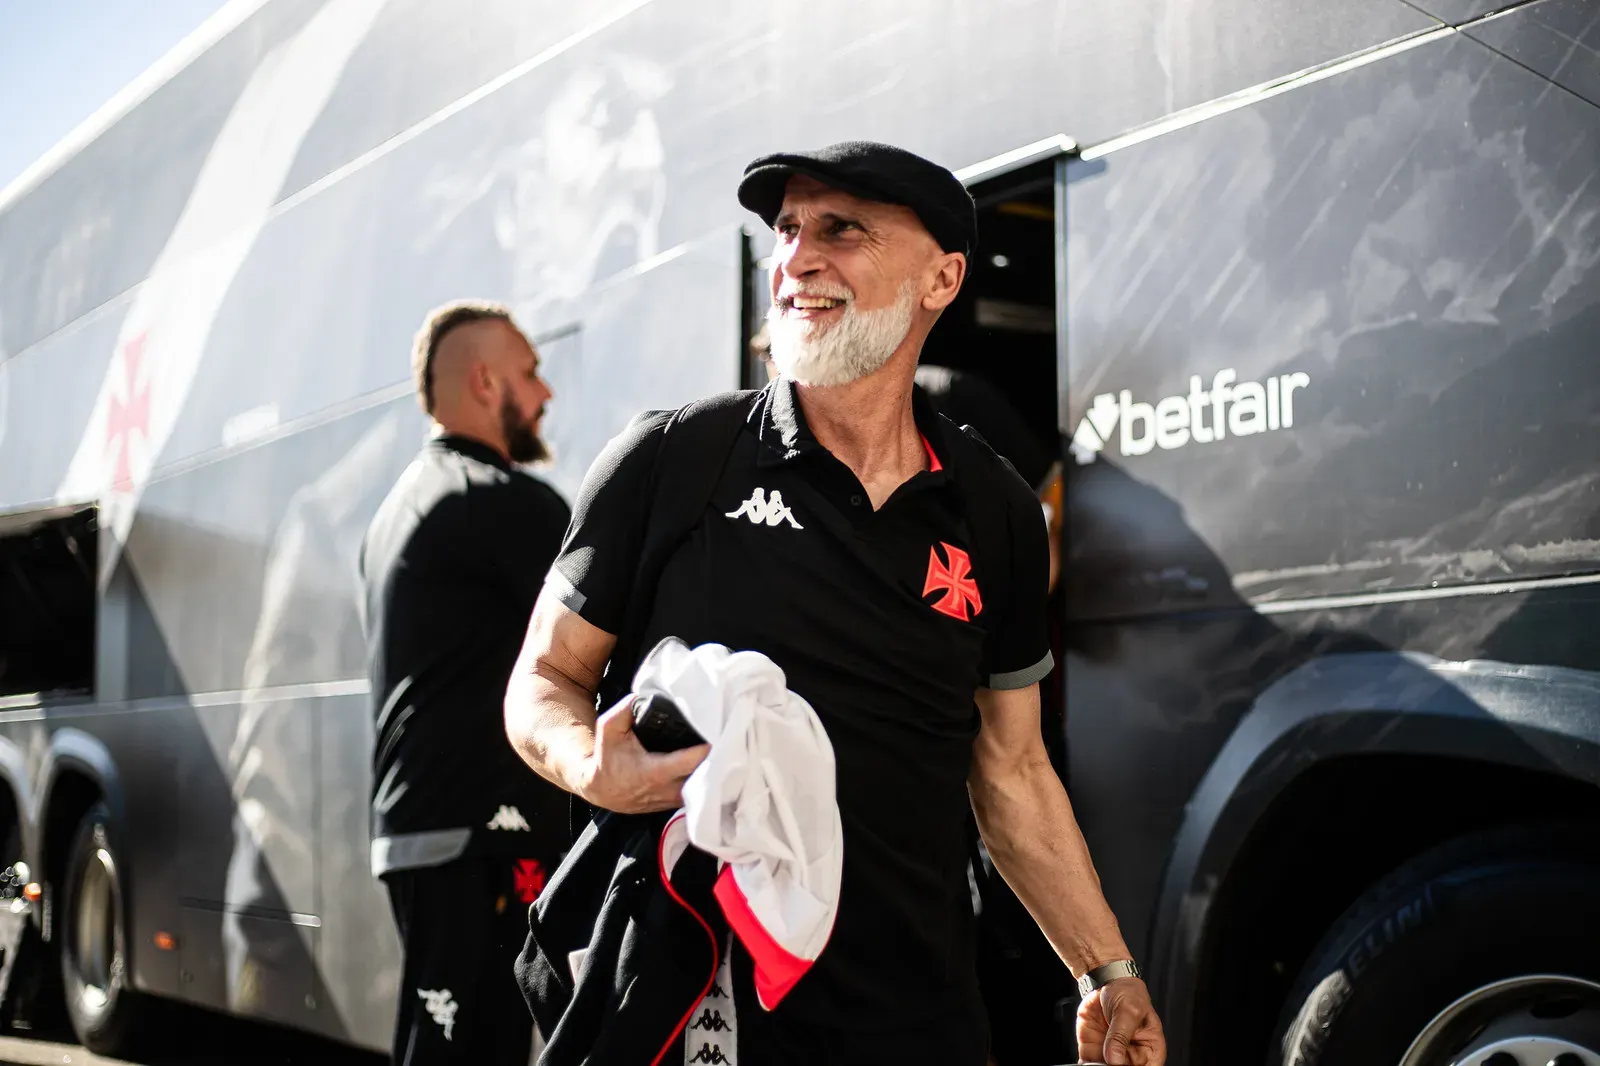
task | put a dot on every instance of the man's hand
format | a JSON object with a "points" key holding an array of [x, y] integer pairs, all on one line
{"points": [[621, 776], [1117, 1025]]}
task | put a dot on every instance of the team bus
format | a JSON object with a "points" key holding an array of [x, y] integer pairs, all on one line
{"points": [[1306, 296]]}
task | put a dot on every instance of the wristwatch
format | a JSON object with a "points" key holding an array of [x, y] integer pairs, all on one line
{"points": [[1101, 976]]}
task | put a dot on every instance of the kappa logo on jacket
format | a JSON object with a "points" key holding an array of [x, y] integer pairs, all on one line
{"points": [[441, 1007], [510, 818], [760, 508], [711, 1021]]}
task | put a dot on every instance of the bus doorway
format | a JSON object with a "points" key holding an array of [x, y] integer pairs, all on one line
{"points": [[991, 363], [1000, 333]]}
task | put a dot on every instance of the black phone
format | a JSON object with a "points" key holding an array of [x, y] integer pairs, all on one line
{"points": [[660, 725]]}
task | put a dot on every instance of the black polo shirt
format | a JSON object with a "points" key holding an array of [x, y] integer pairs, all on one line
{"points": [[875, 620], [451, 566]]}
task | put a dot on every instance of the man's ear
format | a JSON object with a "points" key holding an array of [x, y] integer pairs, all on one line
{"points": [[481, 379], [949, 271]]}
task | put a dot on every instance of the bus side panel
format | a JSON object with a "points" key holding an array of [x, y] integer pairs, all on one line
{"points": [[360, 960], [1336, 342], [717, 79]]}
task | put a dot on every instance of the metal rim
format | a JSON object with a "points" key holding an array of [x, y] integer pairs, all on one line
{"points": [[94, 927], [1530, 1020]]}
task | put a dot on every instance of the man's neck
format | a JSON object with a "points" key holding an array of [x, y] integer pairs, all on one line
{"points": [[472, 433], [869, 425]]}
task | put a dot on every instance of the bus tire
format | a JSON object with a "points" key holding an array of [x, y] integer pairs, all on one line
{"points": [[102, 1006], [1494, 934]]}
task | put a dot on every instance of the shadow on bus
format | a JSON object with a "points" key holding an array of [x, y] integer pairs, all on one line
{"points": [[249, 743], [1163, 659], [241, 787]]}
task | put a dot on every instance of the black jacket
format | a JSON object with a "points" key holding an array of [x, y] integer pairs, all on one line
{"points": [[451, 566], [652, 953]]}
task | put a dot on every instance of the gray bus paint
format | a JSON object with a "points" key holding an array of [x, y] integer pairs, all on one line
{"points": [[578, 161], [1538, 718]]}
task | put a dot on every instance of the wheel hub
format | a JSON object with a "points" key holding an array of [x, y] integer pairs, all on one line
{"points": [[94, 925], [1535, 1020]]}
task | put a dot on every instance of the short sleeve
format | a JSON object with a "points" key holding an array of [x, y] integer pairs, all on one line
{"points": [[1018, 653], [594, 571], [535, 519]]}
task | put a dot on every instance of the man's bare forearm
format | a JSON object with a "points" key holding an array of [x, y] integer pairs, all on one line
{"points": [[1034, 840], [550, 722], [549, 706]]}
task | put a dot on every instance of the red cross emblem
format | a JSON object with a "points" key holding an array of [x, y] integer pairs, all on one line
{"points": [[955, 581], [126, 418], [529, 877]]}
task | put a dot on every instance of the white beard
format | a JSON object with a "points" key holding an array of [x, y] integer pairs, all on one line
{"points": [[855, 346]]}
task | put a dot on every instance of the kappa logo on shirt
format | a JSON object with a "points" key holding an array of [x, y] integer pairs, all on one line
{"points": [[955, 581], [441, 1007], [510, 818], [760, 508]]}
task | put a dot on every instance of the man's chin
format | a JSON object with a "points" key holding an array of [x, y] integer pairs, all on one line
{"points": [[530, 450], [822, 375]]}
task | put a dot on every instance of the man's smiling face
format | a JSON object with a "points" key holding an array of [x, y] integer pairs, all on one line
{"points": [[846, 281]]}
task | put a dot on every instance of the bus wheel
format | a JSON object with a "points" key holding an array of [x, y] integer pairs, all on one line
{"points": [[101, 1005], [1484, 952]]}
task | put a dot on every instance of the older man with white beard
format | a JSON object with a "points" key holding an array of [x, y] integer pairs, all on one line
{"points": [[896, 570]]}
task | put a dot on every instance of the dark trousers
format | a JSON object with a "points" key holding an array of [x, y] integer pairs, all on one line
{"points": [[953, 1037], [461, 928]]}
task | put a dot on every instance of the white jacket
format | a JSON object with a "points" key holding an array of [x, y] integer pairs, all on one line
{"points": [[762, 802]]}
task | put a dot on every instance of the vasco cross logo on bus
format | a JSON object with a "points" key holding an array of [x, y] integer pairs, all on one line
{"points": [[955, 581], [126, 418], [1243, 409]]}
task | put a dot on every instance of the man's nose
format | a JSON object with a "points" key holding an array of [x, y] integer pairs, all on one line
{"points": [[801, 256]]}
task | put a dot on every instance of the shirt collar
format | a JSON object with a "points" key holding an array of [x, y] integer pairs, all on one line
{"points": [[472, 449], [784, 435]]}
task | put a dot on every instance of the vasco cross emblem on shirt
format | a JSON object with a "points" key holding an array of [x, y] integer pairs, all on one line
{"points": [[955, 581]]}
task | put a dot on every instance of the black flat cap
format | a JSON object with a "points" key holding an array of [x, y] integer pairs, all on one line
{"points": [[871, 171]]}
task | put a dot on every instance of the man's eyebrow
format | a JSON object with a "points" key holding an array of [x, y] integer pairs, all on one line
{"points": [[788, 218]]}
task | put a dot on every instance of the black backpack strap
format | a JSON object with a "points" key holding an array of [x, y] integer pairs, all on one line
{"points": [[695, 445], [974, 466]]}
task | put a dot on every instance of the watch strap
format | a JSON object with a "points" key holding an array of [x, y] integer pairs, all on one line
{"points": [[1101, 976]]}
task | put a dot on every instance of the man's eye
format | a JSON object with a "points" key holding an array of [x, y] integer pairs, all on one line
{"points": [[788, 229], [844, 224]]}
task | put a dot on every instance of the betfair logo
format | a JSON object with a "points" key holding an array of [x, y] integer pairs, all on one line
{"points": [[1242, 408], [760, 508]]}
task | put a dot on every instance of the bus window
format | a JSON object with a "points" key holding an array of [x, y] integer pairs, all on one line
{"points": [[47, 601]]}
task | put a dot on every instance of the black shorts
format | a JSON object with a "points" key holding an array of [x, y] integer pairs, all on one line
{"points": [[461, 927]]}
